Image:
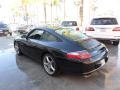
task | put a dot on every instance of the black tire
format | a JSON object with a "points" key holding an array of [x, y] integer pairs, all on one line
{"points": [[10, 33], [17, 49], [115, 43], [50, 66]]}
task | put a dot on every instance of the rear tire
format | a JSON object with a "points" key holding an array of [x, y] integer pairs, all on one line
{"points": [[115, 43], [49, 64], [10, 33]]}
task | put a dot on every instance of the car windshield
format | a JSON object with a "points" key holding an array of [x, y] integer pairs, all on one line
{"points": [[72, 34], [69, 23], [104, 21]]}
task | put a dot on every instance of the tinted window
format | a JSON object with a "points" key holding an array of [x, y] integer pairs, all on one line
{"points": [[72, 34], [69, 23], [79, 38], [104, 21], [49, 37], [36, 34]]}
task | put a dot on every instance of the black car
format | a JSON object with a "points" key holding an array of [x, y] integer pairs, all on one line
{"points": [[4, 29], [62, 49]]}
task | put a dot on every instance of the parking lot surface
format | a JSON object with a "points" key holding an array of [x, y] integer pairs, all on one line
{"points": [[22, 73]]}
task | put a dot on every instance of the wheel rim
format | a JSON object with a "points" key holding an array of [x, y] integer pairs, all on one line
{"points": [[49, 65], [17, 48]]}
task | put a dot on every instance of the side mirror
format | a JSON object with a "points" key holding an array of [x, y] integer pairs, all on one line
{"points": [[24, 36]]}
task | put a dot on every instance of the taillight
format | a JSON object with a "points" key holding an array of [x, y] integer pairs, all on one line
{"points": [[116, 29], [89, 29], [77, 29], [79, 55]]}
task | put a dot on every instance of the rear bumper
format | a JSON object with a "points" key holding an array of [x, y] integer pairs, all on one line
{"points": [[111, 39], [94, 66], [4, 32], [72, 66], [103, 37]]}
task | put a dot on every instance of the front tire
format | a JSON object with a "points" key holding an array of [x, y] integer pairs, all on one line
{"points": [[17, 49], [10, 33], [49, 64]]}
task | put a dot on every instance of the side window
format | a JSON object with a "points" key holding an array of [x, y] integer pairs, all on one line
{"points": [[49, 37], [36, 34]]}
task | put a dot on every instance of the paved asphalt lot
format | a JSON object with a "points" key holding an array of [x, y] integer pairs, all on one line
{"points": [[22, 73]]}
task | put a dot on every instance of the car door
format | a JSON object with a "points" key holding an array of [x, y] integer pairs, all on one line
{"points": [[47, 42], [50, 42], [33, 42], [39, 41]]}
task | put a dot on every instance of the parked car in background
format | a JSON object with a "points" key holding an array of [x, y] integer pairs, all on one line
{"points": [[62, 49], [24, 28], [70, 24], [13, 27], [4, 29], [106, 28]]}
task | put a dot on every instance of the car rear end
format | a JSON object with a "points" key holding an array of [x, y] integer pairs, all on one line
{"points": [[99, 55], [4, 29], [87, 54], [4, 32], [87, 61], [70, 24], [104, 28]]}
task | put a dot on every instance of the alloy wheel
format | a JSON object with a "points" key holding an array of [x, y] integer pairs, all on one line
{"points": [[49, 65]]}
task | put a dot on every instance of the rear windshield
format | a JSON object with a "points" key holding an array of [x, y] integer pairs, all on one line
{"points": [[104, 21], [79, 38], [69, 23], [72, 34]]}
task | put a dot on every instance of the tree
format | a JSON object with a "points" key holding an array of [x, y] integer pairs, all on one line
{"points": [[16, 10], [93, 6], [25, 4], [81, 12], [56, 4], [64, 9], [45, 3], [79, 3]]}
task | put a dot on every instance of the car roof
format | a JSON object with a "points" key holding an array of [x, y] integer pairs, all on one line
{"points": [[69, 21], [50, 30], [103, 17], [45, 29]]}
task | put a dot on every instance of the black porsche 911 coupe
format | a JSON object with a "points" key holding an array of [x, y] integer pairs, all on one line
{"points": [[62, 49]]}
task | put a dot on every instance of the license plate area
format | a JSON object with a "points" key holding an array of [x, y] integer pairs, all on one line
{"points": [[102, 30]]}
